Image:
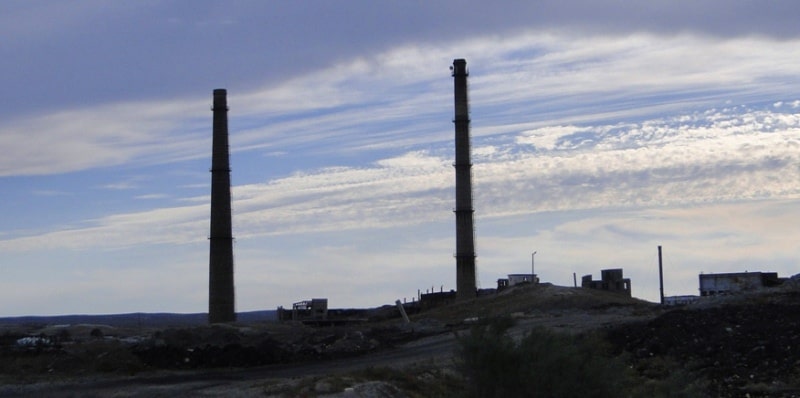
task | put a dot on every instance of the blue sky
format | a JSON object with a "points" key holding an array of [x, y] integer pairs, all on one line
{"points": [[600, 131]]}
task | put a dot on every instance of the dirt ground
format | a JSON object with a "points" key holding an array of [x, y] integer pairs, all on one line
{"points": [[748, 345]]}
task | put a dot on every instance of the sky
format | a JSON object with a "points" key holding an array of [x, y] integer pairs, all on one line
{"points": [[600, 131]]}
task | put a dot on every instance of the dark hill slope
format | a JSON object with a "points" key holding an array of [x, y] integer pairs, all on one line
{"points": [[746, 345]]}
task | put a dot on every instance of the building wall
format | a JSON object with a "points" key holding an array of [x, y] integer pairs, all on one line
{"points": [[612, 281], [680, 300], [430, 300], [514, 279], [714, 284]]}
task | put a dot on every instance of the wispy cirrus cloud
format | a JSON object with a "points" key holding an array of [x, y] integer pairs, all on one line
{"points": [[714, 156], [151, 196], [561, 125], [401, 98], [98, 137]]}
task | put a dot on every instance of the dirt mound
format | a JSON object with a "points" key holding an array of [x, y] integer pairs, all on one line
{"points": [[738, 348], [532, 298]]}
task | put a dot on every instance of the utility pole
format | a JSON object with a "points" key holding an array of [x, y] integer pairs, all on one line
{"points": [[660, 275]]}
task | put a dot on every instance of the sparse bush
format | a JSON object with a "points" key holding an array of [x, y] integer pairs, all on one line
{"points": [[416, 382], [63, 336], [489, 361], [542, 364], [668, 378], [112, 357]]}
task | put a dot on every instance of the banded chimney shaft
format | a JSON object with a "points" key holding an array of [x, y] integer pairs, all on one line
{"points": [[221, 291], [466, 287]]}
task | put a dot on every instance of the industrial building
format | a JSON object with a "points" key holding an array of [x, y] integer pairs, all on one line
{"points": [[315, 312], [610, 280], [729, 283], [516, 279], [726, 283], [314, 309]]}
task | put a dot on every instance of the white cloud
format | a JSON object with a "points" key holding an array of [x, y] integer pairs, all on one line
{"points": [[51, 192], [401, 97], [109, 135], [121, 186], [151, 196], [546, 138], [562, 125], [707, 157], [178, 225]]}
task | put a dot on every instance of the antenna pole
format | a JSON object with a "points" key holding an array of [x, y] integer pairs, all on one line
{"points": [[660, 275]]}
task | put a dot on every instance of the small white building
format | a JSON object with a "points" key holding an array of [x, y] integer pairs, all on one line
{"points": [[680, 300], [515, 279]]}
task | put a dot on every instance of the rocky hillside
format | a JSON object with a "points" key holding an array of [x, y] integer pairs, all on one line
{"points": [[738, 346]]}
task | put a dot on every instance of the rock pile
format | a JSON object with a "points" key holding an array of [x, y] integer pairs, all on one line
{"points": [[749, 348]]}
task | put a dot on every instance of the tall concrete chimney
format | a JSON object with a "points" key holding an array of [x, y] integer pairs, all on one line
{"points": [[465, 235], [220, 280]]}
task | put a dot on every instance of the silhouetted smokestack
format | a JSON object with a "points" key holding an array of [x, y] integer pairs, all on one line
{"points": [[220, 281], [465, 235]]}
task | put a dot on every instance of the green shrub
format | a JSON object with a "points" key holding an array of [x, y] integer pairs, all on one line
{"points": [[542, 364]]}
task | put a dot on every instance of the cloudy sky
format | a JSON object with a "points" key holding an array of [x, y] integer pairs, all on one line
{"points": [[601, 130]]}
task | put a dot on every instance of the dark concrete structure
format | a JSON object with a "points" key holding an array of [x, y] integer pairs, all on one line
{"points": [[316, 308], [610, 280], [315, 312], [466, 287], [436, 299], [220, 280]]}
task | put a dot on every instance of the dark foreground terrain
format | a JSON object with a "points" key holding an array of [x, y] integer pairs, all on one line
{"points": [[745, 346], [737, 346]]}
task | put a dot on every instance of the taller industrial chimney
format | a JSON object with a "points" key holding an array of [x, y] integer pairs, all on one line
{"points": [[220, 280], [465, 235]]}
